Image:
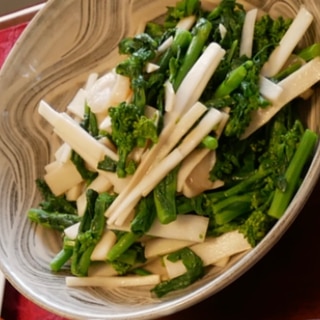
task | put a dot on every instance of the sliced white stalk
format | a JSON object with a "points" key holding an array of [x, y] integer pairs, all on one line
{"points": [[109, 90], [248, 32], [161, 246], [79, 140], [226, 245], [165, 45], [210, 120], [191, 228], [81, 204], [113, 282], [100, 184], [102, 248], [196, 80], [174, 269], [121, 90], [188, 164], [72, 231], [155, 175], [99, 95], [105, 124], [121, 213], [225, 117], [47, 112], [108, 143], [137, 154], [198, 180], [82, 142], [77, 104], [223, 30], [102, 269], [100, 117], [212, 251], [192, 189], [92, 78], [289, 41], [222, 262], [172, 134], [186, 23], [117, 183], [52, 166], [151, 67], [156, 266], [269, 90], [293, 86], [74, 193], [168, 138], [63, 178], [170, 96], [63, 153]]}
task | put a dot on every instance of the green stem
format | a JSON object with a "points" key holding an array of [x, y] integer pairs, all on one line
{"points": [[202, 32], [247, 184], [310, 52], [125, 241], [145, 215], [287, 71], [233, 80], [164, 195], [60, 259], [303, 153], [232, 207], [53, 220], [181, 41]]}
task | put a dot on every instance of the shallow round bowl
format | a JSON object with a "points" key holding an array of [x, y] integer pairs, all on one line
{"points": [[66, 42]]}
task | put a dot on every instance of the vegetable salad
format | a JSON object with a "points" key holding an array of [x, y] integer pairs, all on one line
{"points": [[183, 155]]}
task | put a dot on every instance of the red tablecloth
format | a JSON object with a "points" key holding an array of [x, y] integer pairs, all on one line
{"points": [[7, 39], [16, 306]]}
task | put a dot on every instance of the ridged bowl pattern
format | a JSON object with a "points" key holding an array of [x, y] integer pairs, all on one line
{"points": [[63, 44]]}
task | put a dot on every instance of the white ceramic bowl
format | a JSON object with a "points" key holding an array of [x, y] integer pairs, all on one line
{"points": [[63, 44]]}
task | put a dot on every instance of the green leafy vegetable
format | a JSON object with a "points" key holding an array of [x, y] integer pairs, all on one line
{"points": [[144, 216], [182, 9], [200, 33], [195, 271], [52, 203], [80, 164], [292, 174], [125, 241], [91, 228], [89, 122], [130, 129], [53, 220], [164, 195]]}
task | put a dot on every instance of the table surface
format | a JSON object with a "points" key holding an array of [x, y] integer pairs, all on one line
{"points": [[283, 285]]}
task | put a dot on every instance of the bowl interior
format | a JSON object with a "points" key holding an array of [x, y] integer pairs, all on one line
{"points": [[65, 43]]}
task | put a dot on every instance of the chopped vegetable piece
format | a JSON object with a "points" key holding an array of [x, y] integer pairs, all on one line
{"points": [[292, 175]]}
